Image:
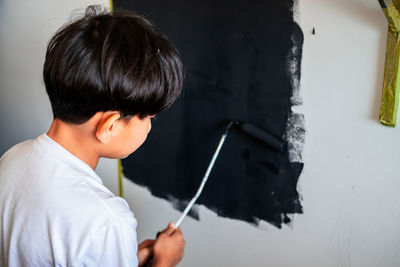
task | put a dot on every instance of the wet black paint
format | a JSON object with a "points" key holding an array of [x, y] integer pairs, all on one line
{"points": [[243, 62]]}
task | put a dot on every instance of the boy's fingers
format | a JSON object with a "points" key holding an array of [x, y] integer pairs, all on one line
{"points": [[178, 232], [158, 234], [147, 243], [169, 230], [144, 255], [178, 235]]}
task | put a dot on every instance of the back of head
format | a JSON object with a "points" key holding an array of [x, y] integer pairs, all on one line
{"points": [[105, 61]]}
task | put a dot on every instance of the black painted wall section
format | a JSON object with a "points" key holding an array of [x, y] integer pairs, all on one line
{"points": [[243, 62]]}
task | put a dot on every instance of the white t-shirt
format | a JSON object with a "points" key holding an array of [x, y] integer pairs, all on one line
{"points": [[55, 211]]}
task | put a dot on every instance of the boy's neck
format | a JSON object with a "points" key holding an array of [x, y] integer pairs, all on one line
{"points": [[77, 139]]}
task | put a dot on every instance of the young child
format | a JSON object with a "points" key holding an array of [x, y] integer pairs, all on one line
{"points": [[106, 76]]}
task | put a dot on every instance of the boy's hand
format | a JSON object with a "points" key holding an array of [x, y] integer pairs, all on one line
{"points": [[145, 251], [168, 247]]}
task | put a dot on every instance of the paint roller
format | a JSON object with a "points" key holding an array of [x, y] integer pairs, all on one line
{"points": [[250, 129], [246, 127], [260, 135]]}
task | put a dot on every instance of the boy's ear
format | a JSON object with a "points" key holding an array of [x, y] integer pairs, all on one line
{"points": [[107, 125]]}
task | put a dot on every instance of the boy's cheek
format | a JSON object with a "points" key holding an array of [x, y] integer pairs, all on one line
{"points": [[127, 141]]}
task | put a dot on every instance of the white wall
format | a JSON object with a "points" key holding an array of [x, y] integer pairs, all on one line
{"points": [[25, 29], [351, 181]]}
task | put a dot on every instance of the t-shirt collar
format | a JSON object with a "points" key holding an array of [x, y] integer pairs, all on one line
{"points": [[65, 156]]}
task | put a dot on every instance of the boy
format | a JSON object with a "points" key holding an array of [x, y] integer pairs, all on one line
{"points": [[106, 76]]}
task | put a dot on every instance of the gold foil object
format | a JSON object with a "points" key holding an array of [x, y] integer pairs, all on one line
{"points": [[391, 80]]}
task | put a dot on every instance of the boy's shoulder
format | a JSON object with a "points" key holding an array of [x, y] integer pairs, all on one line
{"points": [[12, 162], [17, 150]]}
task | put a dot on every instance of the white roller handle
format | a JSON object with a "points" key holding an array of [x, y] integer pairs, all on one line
{"points": [[205, 178]]}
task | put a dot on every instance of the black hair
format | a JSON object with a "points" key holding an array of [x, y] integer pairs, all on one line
{"points": [[110, 61]]}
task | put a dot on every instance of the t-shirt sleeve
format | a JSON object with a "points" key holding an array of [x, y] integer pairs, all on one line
{"points": [[116, 245]]}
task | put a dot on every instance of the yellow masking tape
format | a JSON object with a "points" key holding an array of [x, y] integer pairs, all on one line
{"points": [[120, 185], [391, 80]]}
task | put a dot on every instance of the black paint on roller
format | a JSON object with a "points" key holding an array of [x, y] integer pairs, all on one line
{"points": [[261, 135], [243, 61]]}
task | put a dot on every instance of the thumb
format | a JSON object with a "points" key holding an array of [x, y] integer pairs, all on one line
{"points": [[170, 228]]}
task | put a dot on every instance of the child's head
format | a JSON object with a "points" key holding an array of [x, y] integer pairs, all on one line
{"points": [[110, 64], [106, 62]]}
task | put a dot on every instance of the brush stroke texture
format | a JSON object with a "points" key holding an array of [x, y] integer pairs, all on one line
{"points": [[243, 62]]}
